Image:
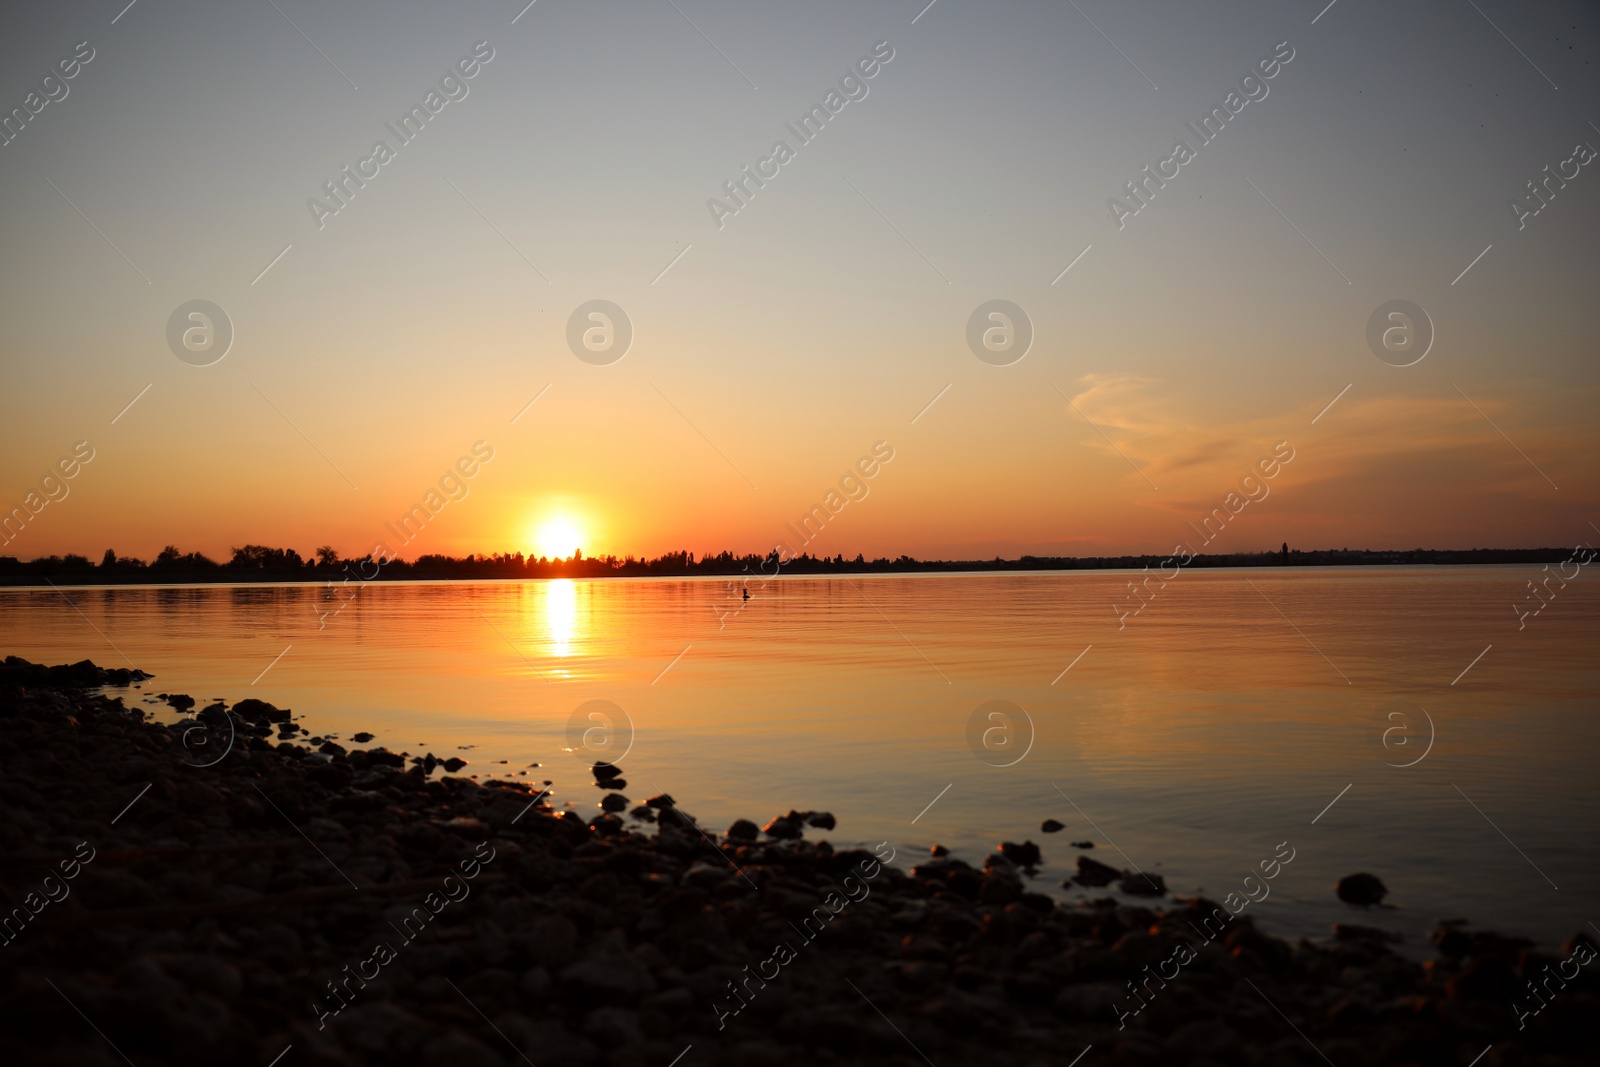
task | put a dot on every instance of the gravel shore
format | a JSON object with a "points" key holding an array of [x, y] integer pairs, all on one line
{"points": [[211, 893]]}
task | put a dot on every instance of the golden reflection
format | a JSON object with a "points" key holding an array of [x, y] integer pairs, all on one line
{"points": [[560, 615]]}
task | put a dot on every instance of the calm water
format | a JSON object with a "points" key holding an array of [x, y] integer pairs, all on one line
{"points": [[1196, 739]]}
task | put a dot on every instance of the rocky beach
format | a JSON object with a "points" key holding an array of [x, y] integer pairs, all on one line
{"points": [[232, 888]]}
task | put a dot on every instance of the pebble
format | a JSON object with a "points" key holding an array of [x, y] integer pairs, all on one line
{"points": [[1142, 885], [1093, 872], [782, 828], [1025, 854], [1362, 890]]}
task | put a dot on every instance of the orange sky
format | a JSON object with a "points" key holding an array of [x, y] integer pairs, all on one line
{"points": [[771, 352]]}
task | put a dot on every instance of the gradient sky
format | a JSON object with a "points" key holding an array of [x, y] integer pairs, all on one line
{"points": [[824, 316]]}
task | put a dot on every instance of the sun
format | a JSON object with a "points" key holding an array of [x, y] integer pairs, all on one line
{"points": [[558, 537]]}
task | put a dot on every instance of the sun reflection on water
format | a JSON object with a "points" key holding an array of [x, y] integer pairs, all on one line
{"points": [[560, 616]]}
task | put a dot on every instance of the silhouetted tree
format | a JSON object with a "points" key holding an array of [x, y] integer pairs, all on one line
{"points": [[170, 558], [262, 558]]}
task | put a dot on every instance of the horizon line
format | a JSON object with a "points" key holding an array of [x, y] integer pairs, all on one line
{"points": [[266, 557]]}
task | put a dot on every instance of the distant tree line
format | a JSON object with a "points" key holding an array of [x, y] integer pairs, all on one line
{"points": [[259, 563]]}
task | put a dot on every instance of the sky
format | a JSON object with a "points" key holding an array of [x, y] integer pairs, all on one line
{"points": [[775, 346]]}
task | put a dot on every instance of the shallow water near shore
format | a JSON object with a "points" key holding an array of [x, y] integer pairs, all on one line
{"points": [[1222, 720]]}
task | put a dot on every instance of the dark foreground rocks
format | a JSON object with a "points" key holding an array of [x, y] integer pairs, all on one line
{"points": [[16, 671], [352, 911]]}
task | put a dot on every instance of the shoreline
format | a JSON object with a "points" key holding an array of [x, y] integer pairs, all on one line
{"points": [[255, 564], [229, 902], [324, 578]]}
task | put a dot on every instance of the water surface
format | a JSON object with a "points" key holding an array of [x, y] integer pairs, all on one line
{"points": [[1189, 741]]}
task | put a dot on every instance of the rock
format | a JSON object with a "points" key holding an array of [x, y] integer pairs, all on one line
{"points": [[613, 1027], [1001, 884], [1137, 948], [607, 825], [1491, 979], [613, 802], [1143, 885], [703, 875], [822, 820], [1245, 942], [551, 942], [605, 771], [1023, 855], [614, 975], [1449, 939], [1093, 872], [536, 982], [922, 947], [455, 1049], [453, 764], [782, 828], [1089, 1000], [1203, 1041], [660, 801], [1581, 938], [938, 850], [82, 674], [644, 813], [371, 1028], [1050, 826], [253, 710], [675, 817], [940, 868], [1038, 902], [743, 830], [612, 783], [181, 701], [1083, 844], [1363, 890], [362, 738]]}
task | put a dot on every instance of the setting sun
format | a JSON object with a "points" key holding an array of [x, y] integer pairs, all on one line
{"points": [[558, 537]]}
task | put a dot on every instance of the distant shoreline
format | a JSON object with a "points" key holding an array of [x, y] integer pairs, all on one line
{"points": [[287, 568]]}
